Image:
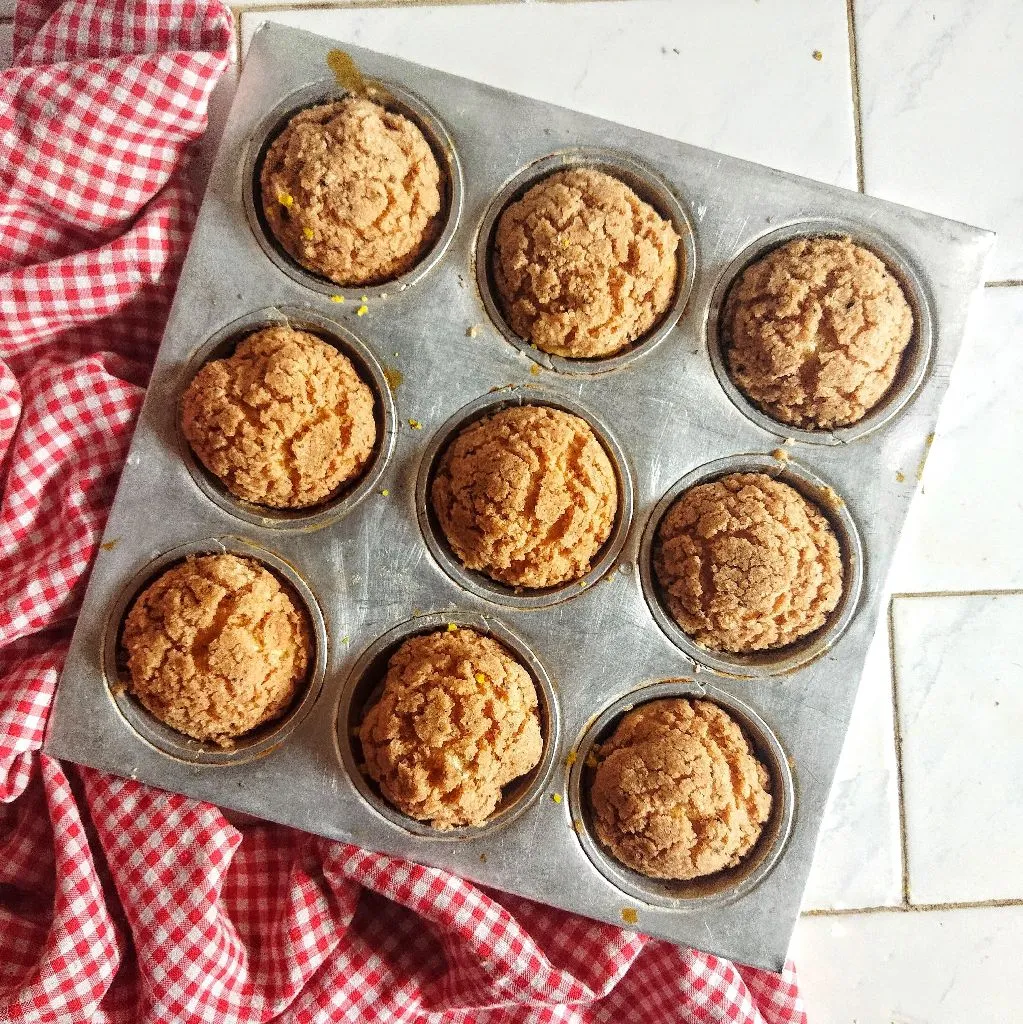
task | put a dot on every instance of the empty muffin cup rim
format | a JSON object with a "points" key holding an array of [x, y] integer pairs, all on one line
{"points": [[478, 583], [150, 729], [722, 887], [781, 660], [399, 100], [652, 189], [368, 368], [914, 364], [377, 654]]}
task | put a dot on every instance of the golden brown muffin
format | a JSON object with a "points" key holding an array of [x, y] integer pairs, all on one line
{"points": [[583, 266], [456, 722], [284, 422], [352, 191], [746, 563], [677, 792], [815, 331], [216, 646], [527, 496]]}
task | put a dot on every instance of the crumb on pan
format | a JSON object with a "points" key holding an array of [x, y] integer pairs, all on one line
{"points": [[746, 563], [583, 267], [456, 722], [363, 180], [678, 793], [815, 331], [284, 421], [216, 646], [527, 496]]}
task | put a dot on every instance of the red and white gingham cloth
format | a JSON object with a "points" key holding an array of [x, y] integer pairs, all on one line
{"points": [[123, 903]]}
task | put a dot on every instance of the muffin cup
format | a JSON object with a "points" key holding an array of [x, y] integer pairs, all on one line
{"points": [[479, 583], [258, 742], [781, 660], [651, 189], [723, 886], [395, 98], [330, 510], [365, 684], [913, 366]]}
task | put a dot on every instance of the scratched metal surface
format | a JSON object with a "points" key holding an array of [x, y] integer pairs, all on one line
{"points": [[372, 572]]}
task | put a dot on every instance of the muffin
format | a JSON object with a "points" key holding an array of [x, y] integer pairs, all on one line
{"points": [[746, 563], [352, 191], [456, 722], [527, 496], [583, 267], [677, 792], [216, 647], [814, 332], [284, 422]]}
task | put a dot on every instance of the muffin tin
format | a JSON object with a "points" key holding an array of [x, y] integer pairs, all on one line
{"points": [[371, 567]]}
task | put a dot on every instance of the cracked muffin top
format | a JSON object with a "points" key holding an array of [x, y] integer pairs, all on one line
{"points": [[456, 722], [527, 496], [352, 191], [216, 646], [815, 332], [746, 563], [677, 792], [284, 422], [583, 267]]}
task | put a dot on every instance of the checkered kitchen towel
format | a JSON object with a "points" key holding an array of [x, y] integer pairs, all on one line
{"points": [[123, 903]]}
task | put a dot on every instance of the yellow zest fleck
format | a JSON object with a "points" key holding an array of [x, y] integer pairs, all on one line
{"points": [[286, 200], [582, 583], [472, 331], [385, 492], [817, 55], [452, 627], [337, 298], [346, 639], [564, 243], [629, 915], [556, 797], [900, 476], [362, 311], [591, 760], [535, 370], [571, 758], [480, 678], [415, 424], [364, 299], [308, 232]]}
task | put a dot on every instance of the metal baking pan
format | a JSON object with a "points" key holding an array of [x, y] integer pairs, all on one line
{"points": [[372, 567]]}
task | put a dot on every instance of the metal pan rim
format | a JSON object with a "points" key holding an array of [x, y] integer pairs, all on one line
{"points": [[406, 103], [332, 509], [651, 188], [387, 643], [916, 360], [783, 660], [171, 743], [477, 583], [715, 890]]}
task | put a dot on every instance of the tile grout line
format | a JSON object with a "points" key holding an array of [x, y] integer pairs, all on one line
{"points": [[854, 79], [959, 593], [897, 733], [1008, 283], [915, 908]]}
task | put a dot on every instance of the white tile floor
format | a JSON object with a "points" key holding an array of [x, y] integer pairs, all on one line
{"points": [[941, 96], [941, 88], [959, 686]]}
